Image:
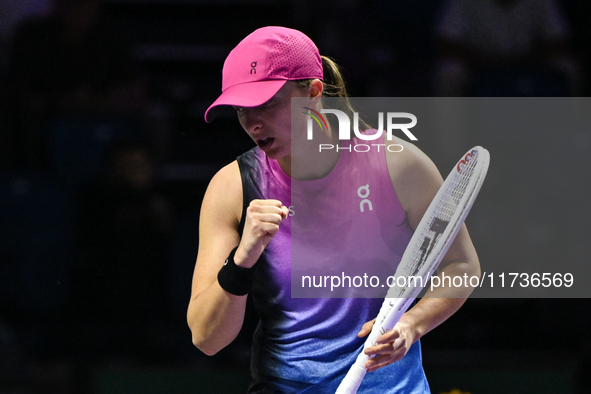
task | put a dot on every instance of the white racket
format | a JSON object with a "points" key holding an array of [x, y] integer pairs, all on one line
{"points": [[431, 240]]}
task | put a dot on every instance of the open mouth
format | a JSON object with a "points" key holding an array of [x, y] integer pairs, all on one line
{"points": [[265, 142]]}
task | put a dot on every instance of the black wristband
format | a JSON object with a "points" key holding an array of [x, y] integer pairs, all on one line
{"points": [[234, 279]]}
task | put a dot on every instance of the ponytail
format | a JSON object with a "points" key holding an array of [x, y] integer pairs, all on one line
{"points": [[333, 85]]}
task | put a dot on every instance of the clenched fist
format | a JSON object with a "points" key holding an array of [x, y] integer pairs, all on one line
{"points": [[261, 224]]}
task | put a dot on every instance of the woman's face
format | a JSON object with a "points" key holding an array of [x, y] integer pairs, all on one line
{"points": [[269, 124]]}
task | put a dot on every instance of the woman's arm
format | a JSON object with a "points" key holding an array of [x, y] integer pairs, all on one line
{"points": [[416, 180], [215, 316]]}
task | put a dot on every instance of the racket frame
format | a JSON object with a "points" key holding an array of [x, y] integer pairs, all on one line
{"points": [[398, 299]]}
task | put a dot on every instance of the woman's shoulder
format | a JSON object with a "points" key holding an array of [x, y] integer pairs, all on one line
{"points": [[224, 192], [226, 182], [225, 174], [408, 162], [414, 176]]}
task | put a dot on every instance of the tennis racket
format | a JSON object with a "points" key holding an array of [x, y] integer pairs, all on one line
{"points": [[431, 240]]}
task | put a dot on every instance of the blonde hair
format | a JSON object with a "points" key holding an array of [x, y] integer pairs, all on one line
{"points": [[334, 85]]}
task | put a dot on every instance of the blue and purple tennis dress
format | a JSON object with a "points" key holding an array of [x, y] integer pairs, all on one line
{"points": [[352, 220]]}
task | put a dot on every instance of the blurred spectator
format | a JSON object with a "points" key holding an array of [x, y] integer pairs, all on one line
{"points": [[12, 13], [71, 62], [400, 55], [12, 356], [121, 301], [505, 36]]}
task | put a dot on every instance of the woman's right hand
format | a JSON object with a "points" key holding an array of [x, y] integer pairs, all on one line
{"points": [[263, 218], [214, 315]]}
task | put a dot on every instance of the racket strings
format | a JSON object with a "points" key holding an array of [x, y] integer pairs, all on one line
{"points": [[446, 208]]}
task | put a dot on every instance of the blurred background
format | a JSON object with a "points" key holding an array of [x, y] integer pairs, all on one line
{"points": [[105, 156]]}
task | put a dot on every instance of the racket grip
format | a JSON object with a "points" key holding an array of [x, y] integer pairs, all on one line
{"points": [[354, 377]]}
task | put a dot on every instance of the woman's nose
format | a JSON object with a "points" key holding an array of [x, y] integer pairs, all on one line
{"points": [[251, 119]]}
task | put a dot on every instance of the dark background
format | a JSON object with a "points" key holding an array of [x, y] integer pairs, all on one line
{"points": [[95, 273]]}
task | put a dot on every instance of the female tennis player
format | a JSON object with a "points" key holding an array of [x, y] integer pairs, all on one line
{"points": [[308, 344]]}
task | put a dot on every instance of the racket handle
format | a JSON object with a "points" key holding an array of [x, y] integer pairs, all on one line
{"points": [[354, 377], [390, 313]]}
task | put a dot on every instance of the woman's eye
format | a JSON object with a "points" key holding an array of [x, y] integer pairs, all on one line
{"points": [[238, 109], [269, 102]]}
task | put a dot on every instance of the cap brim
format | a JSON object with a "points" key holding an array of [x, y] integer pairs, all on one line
{"points": [[251, 94]]}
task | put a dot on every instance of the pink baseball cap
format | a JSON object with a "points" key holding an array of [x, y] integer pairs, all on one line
{"points": [[261, 64]]}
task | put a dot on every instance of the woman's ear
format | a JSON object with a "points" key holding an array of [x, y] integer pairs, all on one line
{"points": [[316, 88], [315, 91]]}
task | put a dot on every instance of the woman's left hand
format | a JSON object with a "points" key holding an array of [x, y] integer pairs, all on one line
{"points": [[391, 346]]}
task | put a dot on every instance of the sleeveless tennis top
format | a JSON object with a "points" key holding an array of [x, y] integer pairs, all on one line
{"points": [[306, 345]]}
